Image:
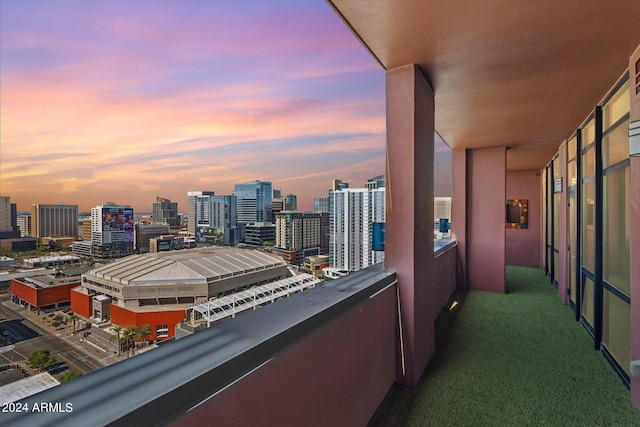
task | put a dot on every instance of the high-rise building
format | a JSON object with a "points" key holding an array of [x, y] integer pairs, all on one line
{"points": [[145, 232], [321, 204], [286, 203], [291, 202], [191, 209], [24, 224], [354, 210], [377, 182], [298, 235], [8, 215], [8, 219], [54, 220], [216, 219], [164, 211], [255, 201], [112, 230]]}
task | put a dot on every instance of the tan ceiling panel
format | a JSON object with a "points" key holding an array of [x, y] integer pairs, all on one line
{"points": [[520, 74]]}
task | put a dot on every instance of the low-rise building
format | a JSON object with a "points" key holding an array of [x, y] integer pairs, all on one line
{"points": [[315, 263], [157, 288], [42, 293]]}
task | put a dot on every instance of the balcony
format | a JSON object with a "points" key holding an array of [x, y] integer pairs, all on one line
{"points": [[330, 355]]}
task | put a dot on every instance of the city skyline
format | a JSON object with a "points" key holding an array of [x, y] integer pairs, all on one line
{"points": [[117, 101]]}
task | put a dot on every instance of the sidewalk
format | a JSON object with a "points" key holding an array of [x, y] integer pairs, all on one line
{"points": [[99, 349]]}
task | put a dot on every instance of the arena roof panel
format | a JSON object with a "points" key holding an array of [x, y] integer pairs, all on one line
{"points": [[192, 265]]}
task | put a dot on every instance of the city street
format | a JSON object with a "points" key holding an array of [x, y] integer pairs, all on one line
{"points": [[26, 332]]}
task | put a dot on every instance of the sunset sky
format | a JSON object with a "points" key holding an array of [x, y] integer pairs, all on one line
{"points": [[125, 100]]}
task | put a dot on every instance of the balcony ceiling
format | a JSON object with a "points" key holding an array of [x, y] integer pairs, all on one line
{"points": [[515, 74]]}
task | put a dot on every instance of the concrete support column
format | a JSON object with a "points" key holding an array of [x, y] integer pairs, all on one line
{"points": [[634, 202], [459, 213], [409, 223], [563, 228], [486, 219]]}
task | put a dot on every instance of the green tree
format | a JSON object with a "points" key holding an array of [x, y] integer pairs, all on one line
{"points": [[144, 332], [129, 338], [74, 318], [68, 376], [41, 359], [117, 338]]}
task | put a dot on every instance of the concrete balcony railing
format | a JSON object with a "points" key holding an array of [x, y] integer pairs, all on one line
{"points": [[327, 356]]}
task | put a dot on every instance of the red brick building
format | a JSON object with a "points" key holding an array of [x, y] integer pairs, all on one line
{"points": [[43, 292]]}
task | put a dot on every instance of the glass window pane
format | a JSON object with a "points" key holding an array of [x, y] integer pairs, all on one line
{"points": [[556, 167], [587, 301], [588, 225], [556, 266], [616, 329], [617, 107], [588, 133], [556, 220], [617, 228], [572, 171], [572, 146], [615, 145], [572, 243], [589, 163]]}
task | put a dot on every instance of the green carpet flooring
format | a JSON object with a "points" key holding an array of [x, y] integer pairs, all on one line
{"points": [[514, 359]]}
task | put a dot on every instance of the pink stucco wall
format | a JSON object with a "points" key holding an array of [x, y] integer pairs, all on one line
{"points": [[486, 170], [443, 279], [409, 204], [335, 377], [523, 245]]}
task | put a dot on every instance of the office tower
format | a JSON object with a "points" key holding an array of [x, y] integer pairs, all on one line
{"points": [[191, 209], [86, 229], [277, 206], [112, 230], [54, 220], [216, 219], [8, 215], [291, 202], [145, 232], [321, 204], [8, 219], [164, 211], [354, 210], [277, 194], [286, 203], [298, 235], [24, 224], [254, 200], [258, 233]]}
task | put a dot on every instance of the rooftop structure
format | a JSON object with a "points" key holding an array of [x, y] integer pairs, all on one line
{"points": [[157, 288], [26, 387]]}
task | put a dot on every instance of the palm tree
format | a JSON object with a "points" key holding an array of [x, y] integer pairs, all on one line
{"points": [[128, 337], [144, 332], [74, 317], [117, 338]]}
